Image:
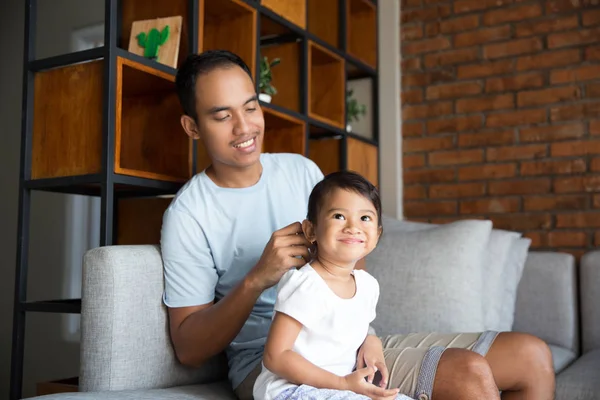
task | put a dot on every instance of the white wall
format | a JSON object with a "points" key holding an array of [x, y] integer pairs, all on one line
{"points": [[57, 237]]}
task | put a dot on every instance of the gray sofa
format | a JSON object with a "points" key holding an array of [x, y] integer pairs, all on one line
{"points": [[126, 352]]}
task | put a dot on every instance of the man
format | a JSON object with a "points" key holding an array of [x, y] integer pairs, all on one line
{"points": [[233, 230]]}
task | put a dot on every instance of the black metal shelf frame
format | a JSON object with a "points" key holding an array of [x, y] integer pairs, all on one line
{"points": [[110, 186]]}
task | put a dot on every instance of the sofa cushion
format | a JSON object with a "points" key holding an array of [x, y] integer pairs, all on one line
{"points": [[561, 357], [430, 280], [580, 380]]}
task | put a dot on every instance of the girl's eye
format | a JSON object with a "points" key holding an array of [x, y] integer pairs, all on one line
{"points": [[366, 218], [338, 216]]}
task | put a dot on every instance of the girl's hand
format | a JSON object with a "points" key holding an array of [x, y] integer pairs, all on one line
{"points": [[371, 355], [356, 383]]}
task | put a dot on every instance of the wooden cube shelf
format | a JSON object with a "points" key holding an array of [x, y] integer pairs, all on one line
{"points": [[326, 86], [361, 85], [229, 25], [292, 10], [138, 10], [361, 31], [139, 219], [324, 20], [149, 139], [326, 152], [362, 157], [283, 133]]}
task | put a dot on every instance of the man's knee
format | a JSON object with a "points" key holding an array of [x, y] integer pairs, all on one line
{"points": [[464, 374], [536, 353]]}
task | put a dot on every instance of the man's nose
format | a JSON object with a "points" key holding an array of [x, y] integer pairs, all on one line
{"points": [[241, 126]]}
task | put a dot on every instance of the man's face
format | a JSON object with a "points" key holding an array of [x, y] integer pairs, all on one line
{"points": [[230, 120]]}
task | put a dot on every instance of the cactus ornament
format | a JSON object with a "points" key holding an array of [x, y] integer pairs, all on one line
{"points": [[152, 41]]}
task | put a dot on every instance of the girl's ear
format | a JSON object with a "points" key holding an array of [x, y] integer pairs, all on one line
{"points": [[309, 230]]}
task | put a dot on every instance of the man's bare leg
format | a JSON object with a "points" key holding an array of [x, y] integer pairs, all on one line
{"points": [[464, 375], [522, 367]]}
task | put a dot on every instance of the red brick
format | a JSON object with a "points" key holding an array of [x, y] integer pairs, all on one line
{"points": [[428, 78], [432, 29], [597, 239], [574, 38], [411, 161], [428, 144], [412, 129], [513, 83], [578, 220], [553, 167], [411, 64], [577, 184], [522, 152], [512, 48], [575, 111], [596, 201], [567, 239], [421, 208], [486, 103], [410, 3], [595, 165], [451, 57], [480, 36], [579, 148], [591, 17], [515, 118], [563, 6], [411, 32], [552, 133], [487, 172], [484, 69], [524, 186], [452, 90], [548, 96], [457, 190], [481, 139], [426, 45], [585, 73], [595, 127], [455, 124], [463, 6], [553, 24], [549, 59], [512, 14], [459, 24], [537, 238], [522, 222], [455, 157], [412, 96], [426, 110], [592, 89], [429, 176], [592, 53], [425, 14], [485, 206], [414, 192], [554, 202]]}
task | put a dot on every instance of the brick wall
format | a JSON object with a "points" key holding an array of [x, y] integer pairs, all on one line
{"points": [[501, 116]]}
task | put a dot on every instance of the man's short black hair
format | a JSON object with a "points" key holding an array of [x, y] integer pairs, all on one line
{"points": [[197, 64], [346, 180]]}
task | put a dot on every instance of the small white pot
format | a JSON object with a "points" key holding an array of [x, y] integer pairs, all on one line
{"points": [[264, 97], [348, 128]]}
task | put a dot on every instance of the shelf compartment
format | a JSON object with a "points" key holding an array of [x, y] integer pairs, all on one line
{"points": [[283, 133], [326, 151], [139, 219], [68, 306], [229, 25], [326, 85], [138, 10], [277, 41], [362, 157], [361, 31], [149, 140], [361, 86], [324, 20], [293, 11]]}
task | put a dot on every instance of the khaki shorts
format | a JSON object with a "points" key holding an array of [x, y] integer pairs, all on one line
{"points": [[411, 359]]}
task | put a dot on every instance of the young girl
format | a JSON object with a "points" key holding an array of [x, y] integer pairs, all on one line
{"points": [[323, 310]]}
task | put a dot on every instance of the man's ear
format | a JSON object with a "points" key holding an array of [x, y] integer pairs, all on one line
{"points": [[309, 230], [189, 126]]}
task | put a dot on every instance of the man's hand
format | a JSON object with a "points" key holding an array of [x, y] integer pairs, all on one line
{"points": [[356, 383], [371, 355], [280, 254]]}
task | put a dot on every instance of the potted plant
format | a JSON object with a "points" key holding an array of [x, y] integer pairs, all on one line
{"points": [[354, 110], [266, 89]]}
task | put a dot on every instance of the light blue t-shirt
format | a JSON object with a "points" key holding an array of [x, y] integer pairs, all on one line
{"points": [[212, 236]]}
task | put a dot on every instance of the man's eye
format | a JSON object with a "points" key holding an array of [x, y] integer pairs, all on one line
{"points": [[252, 109]]}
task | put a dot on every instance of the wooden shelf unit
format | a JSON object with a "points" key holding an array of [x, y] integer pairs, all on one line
{"points": [[105, 122]]}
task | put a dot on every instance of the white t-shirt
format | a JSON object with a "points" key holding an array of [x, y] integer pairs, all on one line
{"points": [[333, 328]]}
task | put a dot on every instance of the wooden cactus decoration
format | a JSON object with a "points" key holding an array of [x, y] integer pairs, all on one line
{"points": [[152, 41]]}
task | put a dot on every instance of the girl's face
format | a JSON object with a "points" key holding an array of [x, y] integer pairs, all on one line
{"points": [[347, 228]]}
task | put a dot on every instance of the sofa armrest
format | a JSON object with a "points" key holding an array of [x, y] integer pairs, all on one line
{"points": [[590, 300], [547, 303]]}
